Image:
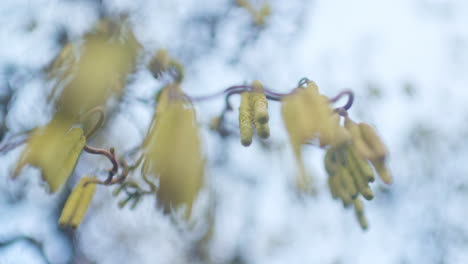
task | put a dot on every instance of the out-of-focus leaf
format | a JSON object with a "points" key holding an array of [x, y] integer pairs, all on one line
{"points": [[90, 73], [172, 151], [307, 116], [55, 149]]}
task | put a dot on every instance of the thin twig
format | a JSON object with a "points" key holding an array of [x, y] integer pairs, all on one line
{"points": [[343, 111], [12, 145], [32, 241], [237, 89], [110, 155]]}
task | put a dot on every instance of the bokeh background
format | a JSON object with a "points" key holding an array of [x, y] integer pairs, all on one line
{"points": [[406, 61]]}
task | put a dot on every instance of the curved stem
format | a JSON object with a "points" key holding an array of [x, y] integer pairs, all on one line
{"points": [[343, 110], [275, 96], [110, 155], [302, 81]]}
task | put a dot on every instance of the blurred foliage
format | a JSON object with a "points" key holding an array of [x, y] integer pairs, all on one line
{"points": [[172, 150], [90, 73], [307, 116], [55, 149]]}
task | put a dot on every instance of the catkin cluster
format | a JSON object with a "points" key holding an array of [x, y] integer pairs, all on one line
{"points": [[349, 167], [253, 112], [308, 116], [77, 203], [85, 75]]}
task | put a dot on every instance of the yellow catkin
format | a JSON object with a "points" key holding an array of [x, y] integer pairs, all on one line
{"points": [[337, 186], [343, 192], [358, 142], [359, 179], [87, 194], [363, 222], [373, 141], [263, 130], [382, 170], [362, 164], [331, 165], [359, 212], [332, 187], [259, 103], [77, 203], [358, 206], [245, 120], [349, 183], [70, 206]]}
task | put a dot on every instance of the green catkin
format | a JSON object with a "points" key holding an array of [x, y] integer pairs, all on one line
{"points": [[364, 166], [349, 183], [77, 203], [359, 212], [87, 194], [259, 103], [330, 163], [363, 222], [245, 120], [358, 206], [373, 141], [341, 190], [332, 187], [332, 168], [70, 205], [347, 190], [359, 179]]}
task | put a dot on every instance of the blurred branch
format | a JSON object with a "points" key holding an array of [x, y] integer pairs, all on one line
{"points": [[33, 242], [110, 155], [10, 144]]}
